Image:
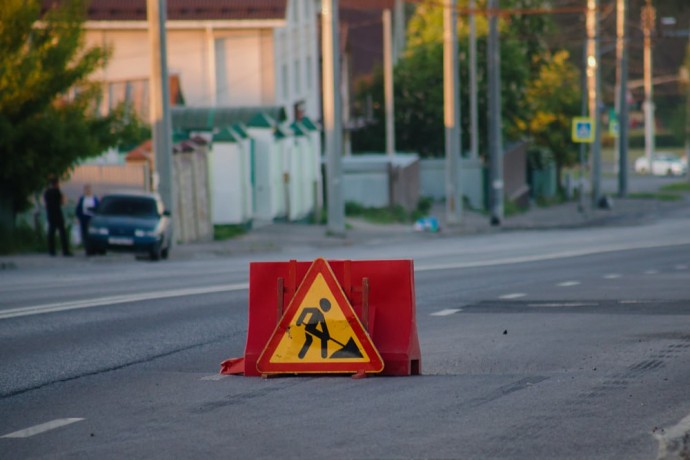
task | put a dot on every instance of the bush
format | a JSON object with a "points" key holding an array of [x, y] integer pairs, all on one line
{"points": [[23, 238]]}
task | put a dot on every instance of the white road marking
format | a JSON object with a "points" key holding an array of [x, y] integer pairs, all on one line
{"points": [[632, 302], [446, 312], [42, 428], [612, 276], [563, 304], [515, 295], [214, 377], [568, 283], [651, 272], [98, 302], [681, 267], [551, 256]]}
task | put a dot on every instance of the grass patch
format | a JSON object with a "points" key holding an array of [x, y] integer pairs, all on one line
{"points": [[22, 239], [678, 187], [389, 215], [227, 232], [661, 196]]}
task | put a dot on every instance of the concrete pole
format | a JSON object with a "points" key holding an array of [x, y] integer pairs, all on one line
{"points": [[451, 113], [388, 83], [398, 30], [495, 131], [474, 111], [622, 97], [648, 19], [159, 90], [594, 93], [583, 112], [332, 117]]}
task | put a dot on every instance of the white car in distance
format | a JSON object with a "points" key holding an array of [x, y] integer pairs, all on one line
{"points": [[663, 164]]}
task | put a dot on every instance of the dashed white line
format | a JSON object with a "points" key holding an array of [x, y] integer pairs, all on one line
{"points": [[568, 283], [612, 276], [681, 267], [651, 272], [563, 304], [515, 295], [42, 428], [446, 312], [214, 377]]}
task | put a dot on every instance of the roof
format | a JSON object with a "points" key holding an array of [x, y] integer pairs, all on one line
{"points": [[189, 10], [208, 118]]}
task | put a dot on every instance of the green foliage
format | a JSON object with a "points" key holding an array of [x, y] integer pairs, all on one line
{"points": [[678, 187], [419, 81], [389, 215], [226, 232], [21, 239], [47, 118], [553, 98]]}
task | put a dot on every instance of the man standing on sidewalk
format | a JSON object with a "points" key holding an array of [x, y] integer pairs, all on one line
{"points": [[54, 199]]}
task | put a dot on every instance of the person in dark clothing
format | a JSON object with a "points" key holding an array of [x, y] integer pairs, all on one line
{"points": [[54, 199]]}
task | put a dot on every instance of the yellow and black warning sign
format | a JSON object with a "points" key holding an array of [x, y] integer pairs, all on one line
{"points": [[319, 331]]}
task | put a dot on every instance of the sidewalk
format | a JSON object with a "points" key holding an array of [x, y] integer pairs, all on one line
{"points": [[275, 237]]}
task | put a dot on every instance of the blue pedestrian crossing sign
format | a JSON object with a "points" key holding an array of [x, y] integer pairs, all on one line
{"points": [[583, 129]]}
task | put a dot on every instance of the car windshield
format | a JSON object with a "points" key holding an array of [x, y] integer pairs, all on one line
{"points": [[128, 206]]}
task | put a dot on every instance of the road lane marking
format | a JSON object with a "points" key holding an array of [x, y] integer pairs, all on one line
{"points": [[446, 312], [612, 276], [541, 257], [681, 267], [563, 304], [651, 272], [214, 377], [515, 295], [42, 428], [98, 302], [568, 283]]}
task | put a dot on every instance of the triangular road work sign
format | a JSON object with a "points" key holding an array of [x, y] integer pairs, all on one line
{"points": [[319, 332]]}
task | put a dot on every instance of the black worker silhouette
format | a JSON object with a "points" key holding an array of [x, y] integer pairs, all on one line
{"points": [[315, 326]]}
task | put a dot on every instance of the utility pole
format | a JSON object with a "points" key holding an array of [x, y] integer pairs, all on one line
{"points": [[594, 94], [451, 107], [474, 111], [159, 90], [622, 96], [648, 20], [388, 82], [583, 112], [332, 117], [495, 131]]}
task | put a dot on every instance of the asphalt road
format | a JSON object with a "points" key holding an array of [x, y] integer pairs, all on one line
{"points": [[542, 344]]}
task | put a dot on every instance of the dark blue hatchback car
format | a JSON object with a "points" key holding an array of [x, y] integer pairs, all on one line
{"points": [[131, 222]]}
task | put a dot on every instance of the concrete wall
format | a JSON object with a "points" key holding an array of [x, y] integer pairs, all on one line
{"points": [[433, 180], [231, 188], [192, 217], [375, 180]]}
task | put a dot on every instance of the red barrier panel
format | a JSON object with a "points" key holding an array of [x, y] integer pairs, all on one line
{"points": [[381, 293]]}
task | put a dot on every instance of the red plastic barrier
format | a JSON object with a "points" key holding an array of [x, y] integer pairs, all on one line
{"points": [[381, 293]]}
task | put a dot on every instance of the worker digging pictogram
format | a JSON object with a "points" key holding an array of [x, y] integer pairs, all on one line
{"points": [[319, 331]]}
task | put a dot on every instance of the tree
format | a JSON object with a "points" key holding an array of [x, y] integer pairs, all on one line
{"points": [[553, 99], [419, 80], [48, 119]]}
